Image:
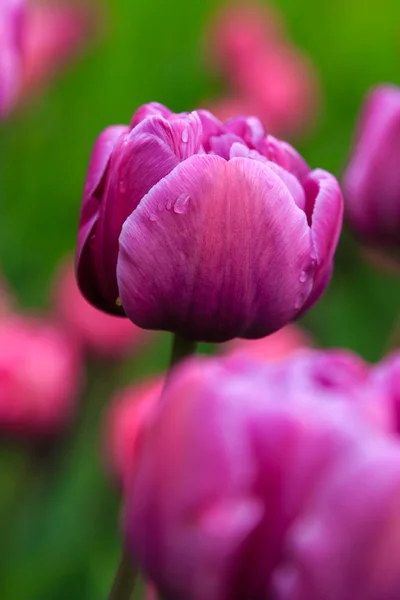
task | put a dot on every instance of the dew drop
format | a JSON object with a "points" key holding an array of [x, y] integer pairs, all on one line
{"points": [[122, 187], [153, 218], [185, 135], [303, 277], [181, 204], [169, 204]]}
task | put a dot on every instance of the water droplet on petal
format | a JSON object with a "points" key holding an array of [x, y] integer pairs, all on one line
{"points": [[185, 135], [181, 204], [303, 277], [122, 187], [169, 204], [153, 218]]}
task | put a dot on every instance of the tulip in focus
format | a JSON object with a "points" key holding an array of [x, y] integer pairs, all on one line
{"points": [[371, 182], [229, 465], [125, 420], [12, 23], [40, 376], [211, 230], [103, 335], [277, 346]]}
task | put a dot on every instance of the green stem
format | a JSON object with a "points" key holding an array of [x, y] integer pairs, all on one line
{"points": [[181, 348], [125, 578]]}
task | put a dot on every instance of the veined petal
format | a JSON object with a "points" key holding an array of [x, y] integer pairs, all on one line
{"points": [[148, 110], [216, 238], [139, 162], [324, 208]]}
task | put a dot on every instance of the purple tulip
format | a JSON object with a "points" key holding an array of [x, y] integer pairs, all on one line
{"points": [[230, 459], [346, 544], [206, 229], [371, 182], [210, 230], [12, 14]]}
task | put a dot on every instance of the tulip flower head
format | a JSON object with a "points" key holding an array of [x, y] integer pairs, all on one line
{"points": [[211, 230], [371, 182], [229, 464]]}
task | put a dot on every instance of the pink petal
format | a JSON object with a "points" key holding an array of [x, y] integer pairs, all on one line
{"points": [[324, 207], [215, 250]]}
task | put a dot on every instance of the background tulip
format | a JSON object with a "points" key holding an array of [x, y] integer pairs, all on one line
{"points": [[346, 544], [206, 229], [371, 181], [97, 332], [39, 377], [12, 21], [231, 457], [276, 346], [124, 423]]}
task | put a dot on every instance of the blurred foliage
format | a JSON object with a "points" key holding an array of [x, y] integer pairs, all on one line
{"points": [[66, 542]]}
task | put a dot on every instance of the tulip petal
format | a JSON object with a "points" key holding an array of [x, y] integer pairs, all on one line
{"points": [[324, 208], [216, 238], [148, 110], [98, 164], [139, 162]]}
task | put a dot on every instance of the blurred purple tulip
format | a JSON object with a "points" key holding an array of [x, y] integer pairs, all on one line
{"points": [[371, 182], [211, 230], [233, 456]]}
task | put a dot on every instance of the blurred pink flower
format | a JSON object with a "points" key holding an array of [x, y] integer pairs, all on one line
{"points": [[98, 332], [12, 21], [40, 375], [55, 32], [37, 39], [124, 422], [267, 75], [276, 346], [233, 458], [346, 544]]}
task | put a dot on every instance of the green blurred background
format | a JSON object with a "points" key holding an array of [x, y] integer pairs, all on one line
{"points": [[65, 544]]}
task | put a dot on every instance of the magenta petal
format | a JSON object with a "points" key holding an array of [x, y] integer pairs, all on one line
{"points": [[324, 208], [182, 135], [284, 155], [99, 160], [149, 110], [216, 250], [139, 162]]}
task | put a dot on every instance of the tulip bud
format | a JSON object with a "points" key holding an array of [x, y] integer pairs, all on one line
{"points": [[125, 420], [39, 377], [229, 462], [211, 230], [371, 181], [103, 335]]}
